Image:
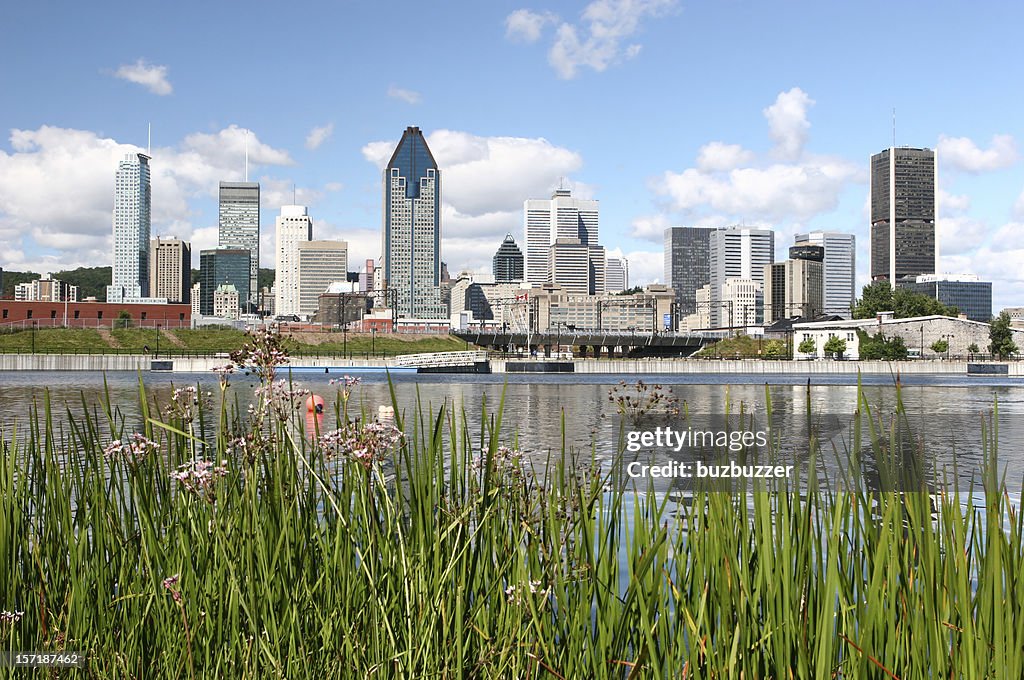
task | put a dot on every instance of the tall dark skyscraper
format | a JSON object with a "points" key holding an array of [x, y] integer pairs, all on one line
{"points": [[412, 228], [687, 264], [508, 261], [903, 240], [239, 227]]}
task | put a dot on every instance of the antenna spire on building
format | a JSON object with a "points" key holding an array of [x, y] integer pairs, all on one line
{"points": [[894, 127], [149, 141]]}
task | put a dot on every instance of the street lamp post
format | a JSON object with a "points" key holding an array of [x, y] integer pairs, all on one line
{"points": [[34, 323], [157, 353], [373, 341], [344, 339]]}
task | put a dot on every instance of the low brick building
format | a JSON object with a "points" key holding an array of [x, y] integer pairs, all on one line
{"points": [[18, 314]]}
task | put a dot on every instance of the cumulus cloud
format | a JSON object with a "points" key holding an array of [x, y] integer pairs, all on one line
{"points": [[57, 187], [318, 136], [960, 235], [787, 122], [650, 228], [597, 41], [716, 156], [150, 76], [485, 175], [950, 203], [961, 153], [523, 25], [407, 96]]}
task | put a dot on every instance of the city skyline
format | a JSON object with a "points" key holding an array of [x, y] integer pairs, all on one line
{"points": [[780, 141]]}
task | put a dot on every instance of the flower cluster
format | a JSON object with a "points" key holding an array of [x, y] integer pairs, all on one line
{"points": [[11, 618], [514, 594], [364, 444], [346, 380], [131, 449], [280, 396], [506, 461], [170, 583], [636, 401], [186, 402], [263, 353], [201, 476]]}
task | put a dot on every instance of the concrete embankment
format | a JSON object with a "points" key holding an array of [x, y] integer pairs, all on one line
{"points": [[137, 362]]}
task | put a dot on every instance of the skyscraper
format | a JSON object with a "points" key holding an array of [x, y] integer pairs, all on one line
{"points": [[840, 268], [239, 227], [796, 287], [219, 266], [412, 229], [737, 253], [132, 205], [292, 227], [903, 242], [546, 221], [170, 271], [616, 275], [507, 265], [577, 267], [687, 265], [320, 263]]}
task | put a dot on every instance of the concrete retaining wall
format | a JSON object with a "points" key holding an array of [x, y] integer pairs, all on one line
{"points": [[134, 362]]}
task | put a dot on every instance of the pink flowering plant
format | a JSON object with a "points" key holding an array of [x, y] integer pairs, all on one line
{"points": [[363, 444]]}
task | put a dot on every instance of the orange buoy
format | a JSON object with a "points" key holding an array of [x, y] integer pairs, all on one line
{"points": [[314, 415]]}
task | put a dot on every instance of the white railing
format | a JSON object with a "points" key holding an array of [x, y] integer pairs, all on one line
{"points": [[440, 359]]}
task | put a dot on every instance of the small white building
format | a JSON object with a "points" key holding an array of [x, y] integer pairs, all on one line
{"points": [[225, 301], [919, 334]]}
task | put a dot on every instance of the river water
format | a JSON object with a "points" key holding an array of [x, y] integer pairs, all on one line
{"points": [[946, 410]]}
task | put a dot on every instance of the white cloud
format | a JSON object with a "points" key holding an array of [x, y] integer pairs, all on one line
{"points": [[277, 192], [57, 188], [716, 156], [645, 266], [150, 76], [960, 235], [484, 175], [596, 41], [787, 122], [1018, 206], [774, 193], [950, 203], [1010, 235], [650, 228], [318, 136], [407, 96], [523, 25], [733, 184], [961, 153]]}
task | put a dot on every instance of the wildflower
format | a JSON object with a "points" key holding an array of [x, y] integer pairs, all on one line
{"points": [[185, 403], [170, 584], [132, 449], [364, 444], [201, 476], [280, 396], [11, 617]]}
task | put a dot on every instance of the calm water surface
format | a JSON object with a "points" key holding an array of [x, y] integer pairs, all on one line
{"points": [[536, 406]]}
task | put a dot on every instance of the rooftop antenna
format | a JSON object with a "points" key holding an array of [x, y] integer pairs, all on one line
{"points": [[149, 141], [293, 194], [894, 127], [246, 155]]}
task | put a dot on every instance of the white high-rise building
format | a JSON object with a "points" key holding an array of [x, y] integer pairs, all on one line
{"points": [[737, 253], [547, 220], [840, 270], [616, 277], [576, 267], [292, 227], [132, 206], [321, 263], [239, 226]]}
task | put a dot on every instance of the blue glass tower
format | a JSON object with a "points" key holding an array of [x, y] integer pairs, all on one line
{"points": [[412, 229]]}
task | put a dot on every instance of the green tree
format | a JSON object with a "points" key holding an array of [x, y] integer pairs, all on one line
{"points": [[124, 319], [835, 346], [940, 346], [775, 349], [878, 346], [903, 303], [973, 348], [808, 346], [1001, 337]]}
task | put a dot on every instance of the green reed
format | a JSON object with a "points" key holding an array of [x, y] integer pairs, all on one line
{"points": [[447, 555]]}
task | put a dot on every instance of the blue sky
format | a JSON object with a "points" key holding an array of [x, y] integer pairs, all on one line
{"points": [[668, 112]]}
